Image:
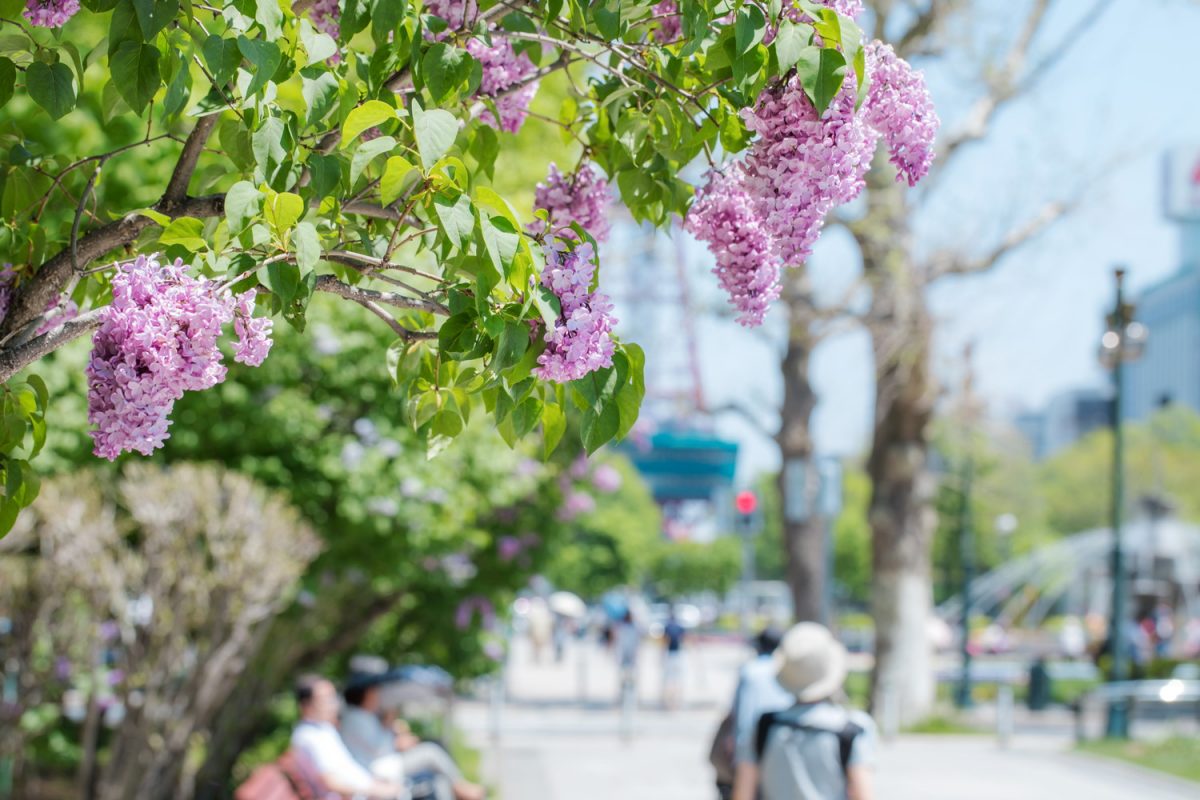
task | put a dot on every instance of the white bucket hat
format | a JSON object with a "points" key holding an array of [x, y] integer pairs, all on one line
{"points": [[810, 663]]}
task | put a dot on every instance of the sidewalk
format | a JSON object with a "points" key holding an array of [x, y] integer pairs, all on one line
{"points": [[553, 748]]}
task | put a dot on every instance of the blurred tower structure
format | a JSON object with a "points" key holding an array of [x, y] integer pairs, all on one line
{"points": [[689, 469]]}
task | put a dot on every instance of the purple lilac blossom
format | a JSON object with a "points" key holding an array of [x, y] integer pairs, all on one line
{"points": [[576, 503], [580, 197], [669, 22], [898, 105], [606, 478], [725, 217], [156, 340], [802, 165], [50, 13], [580, 341], [508, 547], [504, 68], [58, 313], [253, 333], [467, 609]]}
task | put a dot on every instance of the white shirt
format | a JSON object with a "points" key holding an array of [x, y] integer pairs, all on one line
{"points": [[322, 743]]}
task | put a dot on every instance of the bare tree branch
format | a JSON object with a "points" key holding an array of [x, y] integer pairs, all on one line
{"points": [[1013, 79], [394, 324], [185, 167], [950, 262]]}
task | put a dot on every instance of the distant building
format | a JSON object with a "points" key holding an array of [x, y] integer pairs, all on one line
{"points": [[1169, 370], [1067, 418]]}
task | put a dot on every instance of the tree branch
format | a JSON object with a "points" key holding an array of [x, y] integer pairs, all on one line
{"points": [[14, 359], [947, 262], [186, 165], [330, 284]]}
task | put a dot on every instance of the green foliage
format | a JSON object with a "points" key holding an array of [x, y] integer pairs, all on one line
{"points": [[678, 569], [299, 201], [1178, 755], [22, 435]]}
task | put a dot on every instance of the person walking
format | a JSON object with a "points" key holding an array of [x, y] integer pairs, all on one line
{"points": [[672, 676], [817, 749]]}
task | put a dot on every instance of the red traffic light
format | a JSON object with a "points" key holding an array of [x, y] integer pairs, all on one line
{"points": [[746, 502]]}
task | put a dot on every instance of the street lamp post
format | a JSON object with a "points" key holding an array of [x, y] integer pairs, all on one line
{"points": [[966, 534], [1122, 342]]}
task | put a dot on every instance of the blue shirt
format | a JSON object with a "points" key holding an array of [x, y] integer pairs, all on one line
{"points": [[758, 692]]}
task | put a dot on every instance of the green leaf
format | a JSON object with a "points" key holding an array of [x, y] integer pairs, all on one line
{"points": [[514, 341], [265, 57], [629, 398], [283, 279], [554, 425], [320, 95], [599, 428], [222, 57], [749, 29], [368, 115], [51, 86], [179, 91], [547, 304], [395, 179], [444, 68], [243, 202], [367, 152], [185, 232], [435, 131], [124, 27], [501, 240], [319, 46], [789, 43], [821, 72], [608, 20], [326, 174], [307, 245], [281, 211], [268, 15], [266, 144], [8, 79], [487, 197], [458, 336], [136, 74], [458, 221], [154, 15]]}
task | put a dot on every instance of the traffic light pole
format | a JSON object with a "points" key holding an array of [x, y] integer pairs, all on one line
{"points": [[1117, 724]]}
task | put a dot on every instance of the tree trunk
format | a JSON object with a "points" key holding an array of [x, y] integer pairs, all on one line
{"points": [[803, 535], [902, 514]]}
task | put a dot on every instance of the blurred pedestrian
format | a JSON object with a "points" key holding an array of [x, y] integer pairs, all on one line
{"points": [[626, 640], [541, 624], [816, 749], [672, 688]]}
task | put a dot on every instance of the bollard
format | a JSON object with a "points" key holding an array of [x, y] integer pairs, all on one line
{"points": [[1004, 715], [628, 703]]}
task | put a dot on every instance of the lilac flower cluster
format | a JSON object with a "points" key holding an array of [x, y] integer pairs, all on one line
{"points": [[50, 13], [326, 16], [670, 24], [581, 197], [580, 341], [510, 547], [726, 218], [574, 504], [803, 164], [253, 333], [157, 340], [469, 607], [503, 68], [606, 478], [898, 105], [455, 12]]}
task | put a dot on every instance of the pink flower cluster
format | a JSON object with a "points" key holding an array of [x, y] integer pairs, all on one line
{"points": [[253, 333], [580, 341], [510, 547], [669, 22], [802, 165], [725, 217], [326, 17], [898, 105], [769, 210], [50, 13], [455, 12], [469, 607], [503, 68], [158, 339], [580, 197], [606, 478], [574, 504]]}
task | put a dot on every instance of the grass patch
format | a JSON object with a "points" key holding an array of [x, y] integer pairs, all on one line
{"points": [[1178, 756], [941, 725]]}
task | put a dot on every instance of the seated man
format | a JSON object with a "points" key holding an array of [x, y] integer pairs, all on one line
{"points": [[316, 737], [395, 754]]}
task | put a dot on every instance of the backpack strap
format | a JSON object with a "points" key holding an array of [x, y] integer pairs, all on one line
{"points": [[846, 735]]}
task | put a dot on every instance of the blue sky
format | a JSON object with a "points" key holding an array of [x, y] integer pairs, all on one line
{"points": [[1100, 119]]}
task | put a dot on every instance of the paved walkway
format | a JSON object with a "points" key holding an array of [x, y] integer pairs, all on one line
{"points": [[553, 747]]}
